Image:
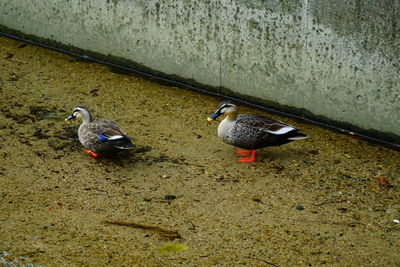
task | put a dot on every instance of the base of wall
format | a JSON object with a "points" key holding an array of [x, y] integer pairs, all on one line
{"points": [[128, 67]]}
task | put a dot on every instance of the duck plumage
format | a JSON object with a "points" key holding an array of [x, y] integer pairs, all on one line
{"points": [[251, 132], [100, 137]]}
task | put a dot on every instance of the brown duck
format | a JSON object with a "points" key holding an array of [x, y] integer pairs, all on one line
{"points": [[103, 137], [250, 132]]}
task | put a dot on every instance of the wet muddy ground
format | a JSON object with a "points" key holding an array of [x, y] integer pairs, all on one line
{"points": [[311, 202]]}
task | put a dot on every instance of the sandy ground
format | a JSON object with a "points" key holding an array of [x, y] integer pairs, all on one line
{"points": [[307, 203]]}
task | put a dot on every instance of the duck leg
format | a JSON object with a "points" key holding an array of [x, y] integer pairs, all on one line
{"points": [[243, 152], [91, 153], [252, 158]]}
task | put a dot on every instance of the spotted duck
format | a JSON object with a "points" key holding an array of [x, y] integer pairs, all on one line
{"points": [[103, 137], [250, 132]]}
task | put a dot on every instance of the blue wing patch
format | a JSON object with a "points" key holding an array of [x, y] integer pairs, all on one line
{"points": [[102, 137]]}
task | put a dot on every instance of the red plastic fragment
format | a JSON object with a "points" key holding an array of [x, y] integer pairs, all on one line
{"points": [[383, 182]]}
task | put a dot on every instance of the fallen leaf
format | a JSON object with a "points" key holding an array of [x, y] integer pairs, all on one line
{"points": [[170, 247]]}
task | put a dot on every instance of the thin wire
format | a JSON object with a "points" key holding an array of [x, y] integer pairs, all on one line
{"points": [[197, 89], [220, 47]]}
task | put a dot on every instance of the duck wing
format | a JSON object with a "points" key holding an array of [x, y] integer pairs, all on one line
{"points": [[254, 131], [109, 130], [264, 124], [106, 134]]}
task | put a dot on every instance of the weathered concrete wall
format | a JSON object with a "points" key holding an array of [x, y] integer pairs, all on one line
{"points": [[338, 59]]}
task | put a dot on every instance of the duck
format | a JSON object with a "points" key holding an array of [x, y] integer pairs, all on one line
{"points": [[103, 137], [250, 132]]}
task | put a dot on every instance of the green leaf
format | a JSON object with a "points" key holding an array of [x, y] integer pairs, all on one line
{"points": [[170, 247]]}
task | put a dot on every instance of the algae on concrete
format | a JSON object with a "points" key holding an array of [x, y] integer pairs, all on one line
{"points": [[335, 59]]}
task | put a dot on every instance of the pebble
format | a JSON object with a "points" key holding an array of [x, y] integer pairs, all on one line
{"points": [[4, 253], [169, 197], [300, 207]]}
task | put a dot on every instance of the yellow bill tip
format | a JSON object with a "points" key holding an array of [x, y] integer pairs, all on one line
{"points": [[209, 119]]}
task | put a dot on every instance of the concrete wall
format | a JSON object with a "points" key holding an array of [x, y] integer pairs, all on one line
{"points": [[334, 59]]}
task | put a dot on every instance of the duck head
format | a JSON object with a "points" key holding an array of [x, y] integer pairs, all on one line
{"points": [[225, 107], [80, 112]]}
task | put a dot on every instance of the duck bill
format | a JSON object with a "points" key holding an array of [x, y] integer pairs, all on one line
{"points": [[214, 116], [71, 117]]}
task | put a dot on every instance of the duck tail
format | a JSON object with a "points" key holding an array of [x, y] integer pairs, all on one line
{"points": [[297, 136], [127, 146], [125, 143]]}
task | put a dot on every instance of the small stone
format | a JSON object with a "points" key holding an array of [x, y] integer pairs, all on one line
{"points": [[169, 197], [300, 207], [4, 253]]}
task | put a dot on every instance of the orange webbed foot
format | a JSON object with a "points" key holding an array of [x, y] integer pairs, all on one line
{"points": [[91, 153], [243, 152], [250, 159]]}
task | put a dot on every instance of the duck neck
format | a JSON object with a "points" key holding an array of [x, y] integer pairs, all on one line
{"points": [[86, 118], [231, 116]]}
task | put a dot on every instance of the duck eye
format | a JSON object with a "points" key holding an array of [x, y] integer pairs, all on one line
{"points": [[224, 108]]}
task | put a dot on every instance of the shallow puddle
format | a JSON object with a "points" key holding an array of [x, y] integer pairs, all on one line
{"points": [[311, 202]]}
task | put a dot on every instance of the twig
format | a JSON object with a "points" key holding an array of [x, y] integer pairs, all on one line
{"points": [[194, 226], [170, 234], [330, 202]]}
